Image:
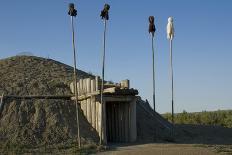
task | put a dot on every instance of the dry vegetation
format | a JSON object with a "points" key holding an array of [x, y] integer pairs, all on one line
{"points": [[220, 118]]}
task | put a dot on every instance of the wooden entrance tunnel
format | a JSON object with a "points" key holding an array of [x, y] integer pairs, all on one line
{"points": [[117, 121]]}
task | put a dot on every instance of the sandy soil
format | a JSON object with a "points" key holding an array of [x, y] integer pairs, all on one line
{"points": [[159, 149]]}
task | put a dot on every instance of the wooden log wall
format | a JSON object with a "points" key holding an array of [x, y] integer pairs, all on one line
{"points": [[91, 107], [119, 112]]}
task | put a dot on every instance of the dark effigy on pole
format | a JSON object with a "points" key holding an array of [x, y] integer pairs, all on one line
{"points": [[72, 11], [151, 25], [105, 12]]}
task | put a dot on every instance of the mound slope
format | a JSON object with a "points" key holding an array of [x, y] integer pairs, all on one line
{"points": [[37, 122]]}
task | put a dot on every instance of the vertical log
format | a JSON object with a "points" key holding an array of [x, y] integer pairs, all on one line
{"points": [[78, 88], [133, 129], [81, 87], [113, 122], [72, 87], [109, 110], [99, 118], [117, 122], [80, 92], [93, 104], [127, 122], [123, 122], [97, 82], [88, 90], [125, 84], [84, 101], [104, 137]]}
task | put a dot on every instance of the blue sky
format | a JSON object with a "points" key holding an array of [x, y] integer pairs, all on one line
{"points": [[202, 47]]}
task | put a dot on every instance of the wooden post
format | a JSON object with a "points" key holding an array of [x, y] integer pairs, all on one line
{"points": [[85, 101], [105, 17], [78, 88], [72, 12], [127, 121], [133, 129], [171, 70], [93, 104], [104, 137], [97, 117], [97, 82], [153, 71], [88, 90]]}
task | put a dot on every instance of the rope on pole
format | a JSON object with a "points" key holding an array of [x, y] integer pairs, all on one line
{"points": [[152, 30], [105, 16], [73, 12], [170, 36]]}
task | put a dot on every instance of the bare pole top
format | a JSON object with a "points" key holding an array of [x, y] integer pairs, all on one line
{"points": [[72, 11], [105, 12], [152, 28]]}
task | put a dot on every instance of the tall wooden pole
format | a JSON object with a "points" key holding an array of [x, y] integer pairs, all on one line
{"points": [[170, 36], [171, 74], [153, 71], [72, 13], [102, 84], [105, 16], [152, 30]]}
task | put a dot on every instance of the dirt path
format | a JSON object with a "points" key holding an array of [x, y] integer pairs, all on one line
{"points": [[158, 149]]}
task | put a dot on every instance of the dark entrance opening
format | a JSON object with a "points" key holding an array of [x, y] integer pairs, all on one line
{"points": [[117, 121]]}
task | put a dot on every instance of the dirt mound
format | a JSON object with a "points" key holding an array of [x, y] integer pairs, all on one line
{"points": [[151, 126], [33, 123]]}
